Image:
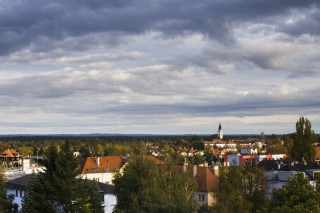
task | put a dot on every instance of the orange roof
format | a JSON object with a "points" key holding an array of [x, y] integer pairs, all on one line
{"points": [[214, 151], [207, 181], [156, 160], [318, 152], [106, 164], [8, 153]]}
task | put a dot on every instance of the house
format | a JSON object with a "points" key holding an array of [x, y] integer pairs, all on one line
{"points": [[189, 152], [18, 188], [248, 151], [310, 171], [271, 157], [238, 160], [207, 182], [271, 168], [317, 157], [10, 158], [101, 169]]}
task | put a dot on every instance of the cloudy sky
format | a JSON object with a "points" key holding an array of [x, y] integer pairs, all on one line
{"points": [[158, 66]]}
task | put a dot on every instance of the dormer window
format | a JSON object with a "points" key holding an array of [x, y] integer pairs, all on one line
{"points": [[106, 170], [95, 170]]}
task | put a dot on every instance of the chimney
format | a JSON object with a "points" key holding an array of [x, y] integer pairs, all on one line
{"points": [[98, 161], [194, 171], [185, 164], [216, 171]]}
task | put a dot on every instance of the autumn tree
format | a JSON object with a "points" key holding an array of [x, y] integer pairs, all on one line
{"points": [[303, 141]]}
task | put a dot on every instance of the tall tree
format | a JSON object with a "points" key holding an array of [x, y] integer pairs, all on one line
{"points": [[303, 141]]}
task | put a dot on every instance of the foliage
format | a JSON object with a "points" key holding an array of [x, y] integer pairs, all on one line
{"points": [[144, 188], [241, 189], [277, 147], [303, 141], [6, 204], [297, 196], [198, 145], [58, 189]]}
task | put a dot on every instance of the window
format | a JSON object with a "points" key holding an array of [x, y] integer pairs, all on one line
{"points": [[96, 179], [95, 170], [201, 197], [106, 169], [316, 175]]}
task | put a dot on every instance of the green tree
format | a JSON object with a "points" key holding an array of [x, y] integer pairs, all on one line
{"points": [[36, 198], [58, 189], [297, 196], [144, 188], [241, 189], [6, 204], [303, 141]]}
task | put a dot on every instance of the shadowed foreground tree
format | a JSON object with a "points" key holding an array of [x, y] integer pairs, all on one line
{"points": [[297, 196], [143, 187], [58, 189], [6, 204], [303, 141], [241, 189]]}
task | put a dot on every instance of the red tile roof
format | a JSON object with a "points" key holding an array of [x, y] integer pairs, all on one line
{"points": [[106, 164], [207, 181]]}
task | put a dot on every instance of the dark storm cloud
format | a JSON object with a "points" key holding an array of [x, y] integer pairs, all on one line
{"points": [[23, 23]]}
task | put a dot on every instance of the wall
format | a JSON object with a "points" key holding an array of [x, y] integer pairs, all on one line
{"points": [[103, 177]]}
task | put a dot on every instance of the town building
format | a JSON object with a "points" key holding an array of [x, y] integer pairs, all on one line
{"points": [[101, 169]]}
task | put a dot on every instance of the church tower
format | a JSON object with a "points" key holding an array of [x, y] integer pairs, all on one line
{"points": [[220, 132]]}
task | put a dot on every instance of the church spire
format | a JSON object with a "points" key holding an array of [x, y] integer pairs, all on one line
{"points": [[220, 132]]}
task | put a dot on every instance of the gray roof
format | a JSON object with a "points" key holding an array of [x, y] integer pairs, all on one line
{"points": [[20, 181]]}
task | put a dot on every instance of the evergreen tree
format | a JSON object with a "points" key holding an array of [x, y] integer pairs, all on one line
{"points": [[36, 199], [303, 141], [58, 189]]}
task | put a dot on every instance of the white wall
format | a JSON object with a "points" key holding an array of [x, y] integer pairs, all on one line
{"points": [[100, 177], [17, 199], [109, 202]]}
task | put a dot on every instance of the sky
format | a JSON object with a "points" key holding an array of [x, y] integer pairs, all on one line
{"points": [[158, 66]]}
